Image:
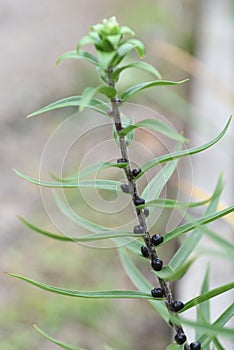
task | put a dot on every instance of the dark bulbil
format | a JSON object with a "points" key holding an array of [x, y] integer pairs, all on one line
{"points": [[138, 229], [122, 160], [139, 201], [157, 264], [195, 345], [144, 251], [136, 172], [156, 239], [125, 188], [177, 305], [146, 212], [157, 293], [180, 338]]}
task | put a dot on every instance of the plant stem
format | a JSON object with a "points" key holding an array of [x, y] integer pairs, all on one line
{"points": [[139, 213]]}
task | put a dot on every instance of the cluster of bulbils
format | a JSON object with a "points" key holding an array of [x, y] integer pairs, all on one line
{"points": [[156, 263]]}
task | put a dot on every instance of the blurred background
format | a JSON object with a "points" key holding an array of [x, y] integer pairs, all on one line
{"points": [[183, 38]]}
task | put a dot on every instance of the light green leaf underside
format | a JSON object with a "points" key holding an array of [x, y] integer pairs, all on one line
{"points": [[156, 125], [109, 185], [172, 203], [220, 322], [81, 55], [206, 296], [73, 101], [129, 242], [184, 153], [194, 224], [194, 238], [86, 238], [208, 329], [170, 274], [107, 294], [141, 65], [57, 342], [94, 168], [141, 283], [139, 87], [203, 311], [172, 347]]}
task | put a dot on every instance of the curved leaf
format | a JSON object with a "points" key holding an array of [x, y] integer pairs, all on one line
{"points": [[92, 38], [140, 65], [94, 237], [129, 45], [141, 283], [139, 87], [184, 153], [106, 294], [109, 185], [196, 223], [73, 101], [156, 125], [90, 170], [57, 342], [172, 203], [206, 296], [203, 312], [81, 55], [170, 274], [89, 92]]}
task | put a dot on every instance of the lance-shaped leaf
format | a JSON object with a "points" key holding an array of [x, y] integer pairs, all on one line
{"points": [[156, 125], [212, 329], [90, 92], [57, 342], [175, 233], [81, 55], [170, 274], [91, 38], [220, 322], [129, 242], [129, 45], [94, 168], [141, 283], [86, 238], [184, 153], [109, 185], [139, 87], [203, 311], [172, 203], [222, 242], [140, 65], [74, 101], [102, 294], [208, 295]]}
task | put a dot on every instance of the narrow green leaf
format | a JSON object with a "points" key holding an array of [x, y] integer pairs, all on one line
{"points": [[172, 347], [74, 101], [155, 186], [172, 203], [106, 294], [191, 225], [109, 185], [208, 329], [140, 65], [156, 125], [223, 243], [217, 344], [129, 45], [206, 296], [90, 92], [57, 342], [93, 237], [170, 274], [220, 322], [192, 241], [203, 312], [139, 87], [88, 39], [126, 30], [141, 283], [94, 168], [184, 153], [81, 55], [105, 58]]}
